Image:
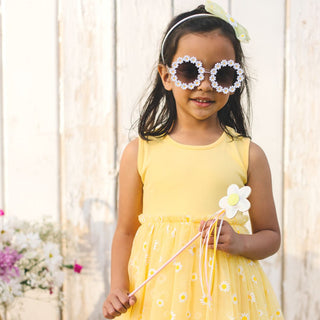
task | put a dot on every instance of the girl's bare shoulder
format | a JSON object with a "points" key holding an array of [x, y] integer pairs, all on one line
{"points": [[257, 157], [130, 152]]}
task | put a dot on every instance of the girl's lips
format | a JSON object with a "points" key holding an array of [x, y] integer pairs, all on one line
{"points": [[202, 102]]}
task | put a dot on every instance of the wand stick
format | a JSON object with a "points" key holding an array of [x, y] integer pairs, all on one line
{"points": [[164, 265]]}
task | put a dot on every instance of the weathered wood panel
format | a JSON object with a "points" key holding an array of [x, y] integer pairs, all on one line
{"points": [[182, 6], [265, 64], [30, 121], [86, 31], [30, 108], [302, 158], [140, 26]]}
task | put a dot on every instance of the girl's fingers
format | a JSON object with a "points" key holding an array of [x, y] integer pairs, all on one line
{"points": [[117, 303], [105, 311], [203, 225], [221, 247], [118, 306], [110, 312], [132, 300], [222, 231], [204, 228], [124, 299], [227, 241], [221, 239], [211, 243], [107, 308]]}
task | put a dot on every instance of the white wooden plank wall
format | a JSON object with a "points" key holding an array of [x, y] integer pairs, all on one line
{"points": [[72, 74], [266, 67], [139, 29], [88, 140], [30, 161], [302, 157]]}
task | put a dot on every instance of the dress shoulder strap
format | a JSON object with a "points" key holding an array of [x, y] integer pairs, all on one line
{"points": [[240, 148], [141, 155], [144, 153]]}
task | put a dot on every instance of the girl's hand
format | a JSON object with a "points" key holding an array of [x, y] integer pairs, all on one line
{"points": [[116, 303], [229, 241]]}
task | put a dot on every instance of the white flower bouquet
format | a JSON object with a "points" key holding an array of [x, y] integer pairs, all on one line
{"points": [[30, 258]]}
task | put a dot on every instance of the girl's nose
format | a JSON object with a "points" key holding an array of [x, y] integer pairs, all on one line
{"points": [[205, 84]]}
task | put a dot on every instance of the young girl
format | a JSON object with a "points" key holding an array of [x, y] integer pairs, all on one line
{"points": [[193, 145]]}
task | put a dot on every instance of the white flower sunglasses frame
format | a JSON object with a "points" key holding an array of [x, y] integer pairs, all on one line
{"points": [[201, 71]]}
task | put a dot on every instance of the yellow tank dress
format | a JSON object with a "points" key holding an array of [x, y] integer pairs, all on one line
{"points": [[182, 185]]}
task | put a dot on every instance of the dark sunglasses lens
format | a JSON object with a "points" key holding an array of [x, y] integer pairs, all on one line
{"points": [[187, 72], [226, 76]]}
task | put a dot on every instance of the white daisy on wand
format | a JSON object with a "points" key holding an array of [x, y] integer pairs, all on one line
{"points": [[235, 200]]}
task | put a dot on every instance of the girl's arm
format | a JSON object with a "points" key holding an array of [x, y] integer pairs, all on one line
{"points": [[130, 206], [265, 238]]}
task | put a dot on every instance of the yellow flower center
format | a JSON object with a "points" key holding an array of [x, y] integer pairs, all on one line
{"points": [[233, 199], [160, 303], [50, 255]]}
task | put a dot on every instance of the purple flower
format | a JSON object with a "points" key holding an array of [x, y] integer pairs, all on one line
{"points": [[8, 259], [1, 213]]}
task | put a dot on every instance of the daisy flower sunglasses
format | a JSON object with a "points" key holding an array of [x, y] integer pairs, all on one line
{"points": [[187, 73]]}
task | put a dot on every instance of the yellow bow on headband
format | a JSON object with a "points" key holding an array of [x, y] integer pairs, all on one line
{"points": [[216, 10]]}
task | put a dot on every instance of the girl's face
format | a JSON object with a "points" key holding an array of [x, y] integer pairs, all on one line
{"points": [[203, 102]]}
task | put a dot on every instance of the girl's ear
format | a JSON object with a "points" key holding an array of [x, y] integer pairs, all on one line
{"points": [[165, 77]]}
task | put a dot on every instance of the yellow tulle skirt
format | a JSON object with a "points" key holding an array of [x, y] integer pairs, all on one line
{"points": [[239, 289]]}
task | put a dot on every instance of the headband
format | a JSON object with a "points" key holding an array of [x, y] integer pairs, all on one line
{"points": [[215, 11]]}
